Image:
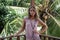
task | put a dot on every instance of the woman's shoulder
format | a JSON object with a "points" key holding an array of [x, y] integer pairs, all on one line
{"points": [[26, 17]]}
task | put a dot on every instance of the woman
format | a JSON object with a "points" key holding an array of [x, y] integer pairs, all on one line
{"points": [[30, 25]]}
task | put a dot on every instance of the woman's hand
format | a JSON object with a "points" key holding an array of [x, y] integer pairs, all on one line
{"points": [[13, 35], [35, 31]]}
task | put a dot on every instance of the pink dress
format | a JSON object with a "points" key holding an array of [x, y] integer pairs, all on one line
{"points": [[29, 27]]}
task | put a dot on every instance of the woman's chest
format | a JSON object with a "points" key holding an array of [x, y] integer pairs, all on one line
{"points": [[31, 23]]}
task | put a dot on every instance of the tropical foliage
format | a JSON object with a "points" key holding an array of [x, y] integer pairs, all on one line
{"points": [[14, 19]]}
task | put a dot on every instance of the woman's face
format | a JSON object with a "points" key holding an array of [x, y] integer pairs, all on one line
{"points": [[32, 12]]}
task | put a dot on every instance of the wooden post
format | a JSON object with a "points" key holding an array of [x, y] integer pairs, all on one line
{"points": [[18, 37], [10, 38], [1, 39], [32, 3]]}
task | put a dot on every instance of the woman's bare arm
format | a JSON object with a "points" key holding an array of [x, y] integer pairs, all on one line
{"points": [[22, 29], [44, 26]]}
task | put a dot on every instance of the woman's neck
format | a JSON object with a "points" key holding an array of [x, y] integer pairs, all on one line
{"points": [[32, 18]]}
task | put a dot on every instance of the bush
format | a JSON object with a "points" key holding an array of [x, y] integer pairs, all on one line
{"points": [[3, 13]]}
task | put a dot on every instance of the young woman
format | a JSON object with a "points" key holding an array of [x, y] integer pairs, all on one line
{"points": [[30, 25]]}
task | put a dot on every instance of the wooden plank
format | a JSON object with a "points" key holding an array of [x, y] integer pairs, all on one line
{"points": [[42, 37]]}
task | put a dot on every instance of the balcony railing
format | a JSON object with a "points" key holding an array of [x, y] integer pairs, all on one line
{"points": [[42, 37]]}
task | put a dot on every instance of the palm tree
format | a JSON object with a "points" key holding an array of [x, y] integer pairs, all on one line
{"points": [[50, 16]]}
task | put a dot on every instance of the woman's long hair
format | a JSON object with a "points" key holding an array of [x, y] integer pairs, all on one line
{"points": [[35, 16]]}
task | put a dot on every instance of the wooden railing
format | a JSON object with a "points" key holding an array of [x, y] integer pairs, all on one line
{"points": [[42, 37]]}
